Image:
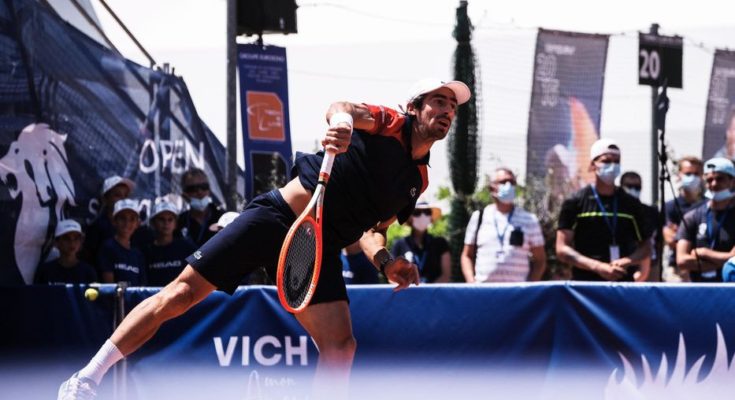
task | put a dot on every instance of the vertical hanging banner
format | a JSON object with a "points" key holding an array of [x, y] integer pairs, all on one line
{"points": [[719, 125], [564, 118], [265, 117]]}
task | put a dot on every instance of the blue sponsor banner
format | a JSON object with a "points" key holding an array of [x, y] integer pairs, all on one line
{"points": [[73, 113], [265, 117], [543, 340]]}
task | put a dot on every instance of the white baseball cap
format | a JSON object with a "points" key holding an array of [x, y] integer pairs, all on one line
{"points": [[65, 226], [461, 91], [126, 204], [164, 206], [113, 181], [604, 146], [720, 164], [224, 220]]}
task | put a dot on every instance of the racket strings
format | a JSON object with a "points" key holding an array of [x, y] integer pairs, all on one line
{"points": [[299, 264]]}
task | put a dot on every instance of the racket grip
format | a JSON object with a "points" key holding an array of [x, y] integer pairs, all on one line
{"points": [[326, 169]]}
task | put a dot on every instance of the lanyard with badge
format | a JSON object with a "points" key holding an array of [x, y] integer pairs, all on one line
{"points": [[501, 236], [611, 225]]}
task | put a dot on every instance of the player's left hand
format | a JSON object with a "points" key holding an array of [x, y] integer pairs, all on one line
{"points": [[402, 272], [338, 138]]}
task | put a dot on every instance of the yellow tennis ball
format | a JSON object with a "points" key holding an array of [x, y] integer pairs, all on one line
{"points": [[91, 294]]}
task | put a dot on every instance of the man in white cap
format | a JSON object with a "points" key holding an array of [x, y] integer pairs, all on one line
{"points": [[602, 232], [68, 268], [376, 181], [706, 236]]}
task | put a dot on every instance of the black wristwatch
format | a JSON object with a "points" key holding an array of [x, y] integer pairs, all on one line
{"points": [[383, 260]]}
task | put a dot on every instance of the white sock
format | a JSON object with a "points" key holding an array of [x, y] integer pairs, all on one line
{"points": [[105, 358]]}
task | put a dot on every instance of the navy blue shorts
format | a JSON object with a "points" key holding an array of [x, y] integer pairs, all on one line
{"points": [[254, 240]]}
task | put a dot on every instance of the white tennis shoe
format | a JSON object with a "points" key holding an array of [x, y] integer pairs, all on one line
{"points": [[76, 388]]}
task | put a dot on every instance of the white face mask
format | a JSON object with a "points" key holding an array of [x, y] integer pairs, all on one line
{"points": [[607, 172], [722, 195], [421, 222], [691, 183], [633, 192], [200, 204]]}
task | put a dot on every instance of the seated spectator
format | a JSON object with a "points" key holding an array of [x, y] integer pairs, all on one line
{"points": [[117, 260], [631, 182], [689, 198], [114, 188], [706, 237], [503, 243], [165, 256], [194, 223], [67, 268], [430, 253], [223, 221], [356, 268]]}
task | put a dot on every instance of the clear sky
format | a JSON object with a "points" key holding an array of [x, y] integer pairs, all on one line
{"points": [[372, 50]]}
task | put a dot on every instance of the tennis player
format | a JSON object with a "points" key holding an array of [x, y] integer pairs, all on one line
{"points": [[377, 179]]}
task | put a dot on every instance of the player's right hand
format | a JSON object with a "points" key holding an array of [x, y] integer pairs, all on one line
{"points": [[609, 272], [338, 138], [402, 272]]}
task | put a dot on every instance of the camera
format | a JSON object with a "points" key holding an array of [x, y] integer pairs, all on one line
{"points": [[516, 237]]}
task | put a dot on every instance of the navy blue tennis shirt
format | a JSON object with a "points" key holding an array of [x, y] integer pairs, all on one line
{"points": [[374, 180]]}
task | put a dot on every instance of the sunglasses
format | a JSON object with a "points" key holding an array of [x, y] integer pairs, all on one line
{"points": [[417, 213], [196, 187]]}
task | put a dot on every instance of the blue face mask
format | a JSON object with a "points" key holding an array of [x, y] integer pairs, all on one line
{"points": [[633, 192], [691, 183], [506, 193], [200, 204], [607, 172], [718, 196]]}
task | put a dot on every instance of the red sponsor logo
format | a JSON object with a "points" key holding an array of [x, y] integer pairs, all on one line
{"points": [[265, 116]]}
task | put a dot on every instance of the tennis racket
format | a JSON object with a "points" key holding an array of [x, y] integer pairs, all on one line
{"points": [[300, 260]]}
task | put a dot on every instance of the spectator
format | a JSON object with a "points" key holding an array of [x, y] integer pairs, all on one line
{"points": [[706, 237], [430, 253], [356, 267], [202, 213], [631, 182], [118, 261], [67, 268], [690, 197], [223, 221], [503, 243], [165, 256], [102, 228], [602, 230]]}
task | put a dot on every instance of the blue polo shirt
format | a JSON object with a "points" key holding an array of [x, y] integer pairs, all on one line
{"points": [[374, 180], [127, 265]]}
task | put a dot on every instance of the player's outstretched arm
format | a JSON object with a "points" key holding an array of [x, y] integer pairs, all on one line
{"points": [[361, 117], [398, 270]]}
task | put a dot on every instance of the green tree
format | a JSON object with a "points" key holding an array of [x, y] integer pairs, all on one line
{"points": [[463, 144]]}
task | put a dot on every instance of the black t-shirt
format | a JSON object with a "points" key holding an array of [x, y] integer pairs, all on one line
{"points": [[54, 272], [127, 265], [165, 263], [592, 231], [427, 258], [716, 235], [674, 216], [188, 227], [373, 181]]}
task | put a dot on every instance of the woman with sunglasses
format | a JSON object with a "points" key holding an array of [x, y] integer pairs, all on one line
{"points": [[429, 253]]}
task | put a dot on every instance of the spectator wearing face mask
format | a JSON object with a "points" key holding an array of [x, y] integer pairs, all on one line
{"points": [[690, 197], [503, 243], [632, 183], [602, 231], [194, 223], [430, 253]]}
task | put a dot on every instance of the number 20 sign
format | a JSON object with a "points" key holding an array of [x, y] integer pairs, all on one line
{"points": [[659, 60]]}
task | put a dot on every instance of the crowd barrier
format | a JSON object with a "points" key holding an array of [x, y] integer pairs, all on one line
{"points": [[541, 340]]}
